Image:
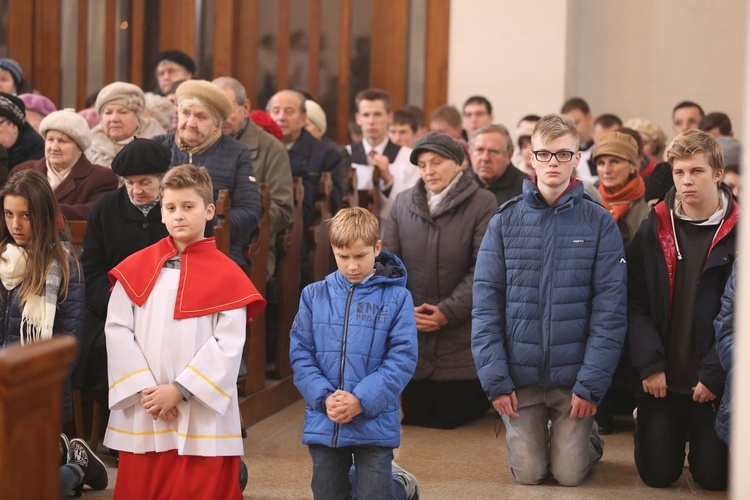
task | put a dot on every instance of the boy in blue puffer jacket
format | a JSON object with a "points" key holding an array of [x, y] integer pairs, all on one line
{"points": [[353, 348]]}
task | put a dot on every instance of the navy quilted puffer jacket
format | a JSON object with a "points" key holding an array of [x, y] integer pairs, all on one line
{"points": [[550, 296], [69, 320], [360, 338]]}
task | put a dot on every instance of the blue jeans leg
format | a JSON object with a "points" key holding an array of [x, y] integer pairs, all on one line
{"points": [[69, 479], [330, 479], [373, 479]]}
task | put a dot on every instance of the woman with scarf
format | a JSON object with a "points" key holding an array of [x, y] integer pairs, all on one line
{"points": [[41, 295], [202, 108], [436, 228], [620, 185], [621, 188], [121, 106]]}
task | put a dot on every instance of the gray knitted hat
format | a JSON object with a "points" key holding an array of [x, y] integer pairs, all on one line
{"points": [[732, 149], [12, 108], [438, 143], [69, 123]]}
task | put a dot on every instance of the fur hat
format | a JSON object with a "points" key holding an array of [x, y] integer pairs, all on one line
{"points": [[12, 66], [69, 123], [441, 144], [142, 157], [208, 94], [316, 115], [160, 108], [12, 108], [127, 94], [38, 103], [178, 57], [617, 144]]}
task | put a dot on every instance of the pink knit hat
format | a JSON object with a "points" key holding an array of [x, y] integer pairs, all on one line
{"points": [[38, 103]]}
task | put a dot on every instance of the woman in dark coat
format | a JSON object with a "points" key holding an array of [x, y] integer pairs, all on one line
{"points": [[76, 183], [436, 229], [17, 136]]}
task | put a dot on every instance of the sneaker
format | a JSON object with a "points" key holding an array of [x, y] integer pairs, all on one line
{"points": [[63, 450], [407, 479], [94, 471], [243, 475]]}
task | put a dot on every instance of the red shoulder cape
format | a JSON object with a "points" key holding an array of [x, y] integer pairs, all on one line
{"points": [[210, 281]]}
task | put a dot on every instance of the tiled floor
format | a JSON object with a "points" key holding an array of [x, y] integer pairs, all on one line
{"points": [[465, 463]]}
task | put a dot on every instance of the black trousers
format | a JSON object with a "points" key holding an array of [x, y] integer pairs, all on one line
{"points": [[663, 427], [443, 405]]}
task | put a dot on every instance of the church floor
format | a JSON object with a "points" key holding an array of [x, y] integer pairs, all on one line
{"points": [[465, 463]]}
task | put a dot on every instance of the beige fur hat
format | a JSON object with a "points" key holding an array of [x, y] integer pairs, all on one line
{"points": [[208, 94], [69, 123], [127, 94]]}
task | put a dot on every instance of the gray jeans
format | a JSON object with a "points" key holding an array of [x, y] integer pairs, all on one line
{"points": [[536, 449]]}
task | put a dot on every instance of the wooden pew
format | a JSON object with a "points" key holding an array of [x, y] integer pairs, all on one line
{"points": [[221, 228], [255, 344], [31, 379], [288, 268], [351, 198], [320, 242], [371, 198]]}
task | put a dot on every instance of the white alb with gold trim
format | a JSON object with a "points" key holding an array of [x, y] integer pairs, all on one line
{"points": [[146, 347]]}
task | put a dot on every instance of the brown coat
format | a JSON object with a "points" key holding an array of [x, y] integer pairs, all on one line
{"points": [[80, 189]]}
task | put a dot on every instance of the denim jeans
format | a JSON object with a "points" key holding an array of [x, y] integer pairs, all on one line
{"points": [[371, 480], [537, 450], [70, 477], [662, 429]]}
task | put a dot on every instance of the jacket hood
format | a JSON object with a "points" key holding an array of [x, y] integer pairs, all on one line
{"points": [[726, 193], [388, 270]]}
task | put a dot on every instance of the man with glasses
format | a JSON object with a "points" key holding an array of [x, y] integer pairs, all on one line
{"points": [[491, 150], [549, 313], [477, 113]]}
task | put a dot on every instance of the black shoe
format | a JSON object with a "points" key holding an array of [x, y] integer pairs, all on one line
{"points": [[63, 450], [94, 471], [243, 475]]}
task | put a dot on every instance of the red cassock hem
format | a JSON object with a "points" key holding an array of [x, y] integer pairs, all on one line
{"points": [[169, 476]]}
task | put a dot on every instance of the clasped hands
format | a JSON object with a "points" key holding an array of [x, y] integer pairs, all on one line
{"points": [[161, 401], [429, 318], [342, 407]]}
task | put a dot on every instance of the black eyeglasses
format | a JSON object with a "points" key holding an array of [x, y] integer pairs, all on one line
{"points": [[561, 156]]}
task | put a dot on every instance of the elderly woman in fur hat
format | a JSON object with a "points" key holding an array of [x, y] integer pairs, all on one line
{"points": [[121, 106], [75, 182], [202, 107]]}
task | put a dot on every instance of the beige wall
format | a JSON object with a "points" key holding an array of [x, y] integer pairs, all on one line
{"points": [[634, 58]]}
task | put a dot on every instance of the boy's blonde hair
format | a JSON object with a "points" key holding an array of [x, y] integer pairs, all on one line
{"points": [[692, 142], [552, 126], [189, 176], [352, 224]]}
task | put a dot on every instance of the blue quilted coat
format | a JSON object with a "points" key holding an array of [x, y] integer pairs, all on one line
{"points": [[550, 296], [360, 338], [724, 325]]}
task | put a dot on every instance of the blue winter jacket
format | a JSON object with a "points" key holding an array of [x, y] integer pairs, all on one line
{"points": [[724, 325], [361, 338], [550, 296]]}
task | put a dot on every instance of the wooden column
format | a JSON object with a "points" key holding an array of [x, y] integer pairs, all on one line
{"points": [[224, 34], [313, 59], [282, 71], [436, 54], [110, 56], [45, 70], [246, 47], [345, 47], [177, 26], [137, 35], [389, 48], [21, 34], [82, 54]]}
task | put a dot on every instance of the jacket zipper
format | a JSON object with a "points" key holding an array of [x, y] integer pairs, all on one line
{"points": [[343, 356]]}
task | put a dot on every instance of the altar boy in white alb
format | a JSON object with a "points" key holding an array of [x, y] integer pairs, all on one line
{"points": [[175, 331]]}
